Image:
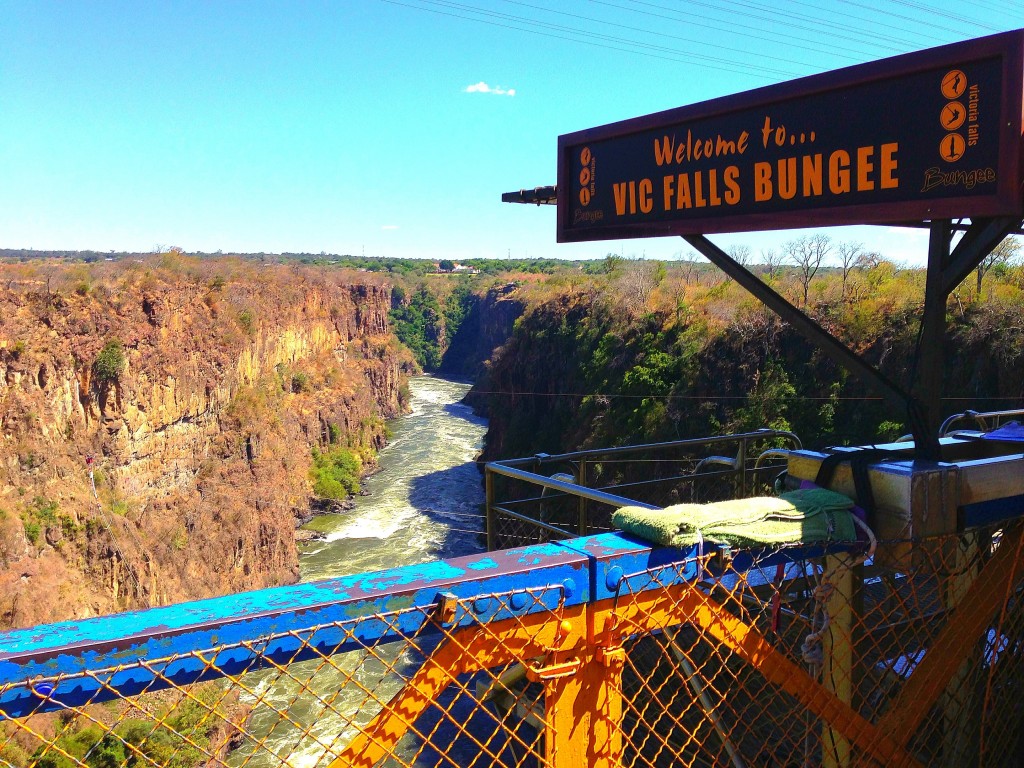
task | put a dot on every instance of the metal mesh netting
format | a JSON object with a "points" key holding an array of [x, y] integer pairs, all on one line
{"points": [[513, 532], [434, 697], [909, 654], [725, 678]]}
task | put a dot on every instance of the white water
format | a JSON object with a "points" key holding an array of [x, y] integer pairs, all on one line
{"points": [[426, 502]]}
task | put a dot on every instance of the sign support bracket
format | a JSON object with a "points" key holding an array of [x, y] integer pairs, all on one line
{"points": [[894, 395], [981, 237]]}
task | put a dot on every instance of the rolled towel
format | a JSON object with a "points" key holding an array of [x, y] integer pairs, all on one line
{"points": [[801, 516]]}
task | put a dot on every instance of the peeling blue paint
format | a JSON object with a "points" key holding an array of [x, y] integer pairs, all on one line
{"points": [[345, 611], [332, 616]]}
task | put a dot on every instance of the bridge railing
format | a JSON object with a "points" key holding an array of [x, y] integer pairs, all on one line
{"points": [[549, 497], [601, 651], [980, 420]]}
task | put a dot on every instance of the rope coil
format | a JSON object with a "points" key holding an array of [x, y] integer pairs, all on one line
{"points": [[811, 649]]}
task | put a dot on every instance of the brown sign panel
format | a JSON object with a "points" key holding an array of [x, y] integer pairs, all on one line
{"points": [[933, 134]]}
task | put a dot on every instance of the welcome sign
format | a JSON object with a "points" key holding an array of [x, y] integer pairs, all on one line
{"points": [[933, 134]]}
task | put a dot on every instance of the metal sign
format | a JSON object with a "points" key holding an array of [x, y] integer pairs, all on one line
{"points": [[926, 135]]}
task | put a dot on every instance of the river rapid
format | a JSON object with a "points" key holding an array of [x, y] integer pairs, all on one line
{"points": [[425, 502]]}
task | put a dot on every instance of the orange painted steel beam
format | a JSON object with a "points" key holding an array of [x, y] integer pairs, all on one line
{"points": [[585, 708], [468, 650], [957, 639], [584, 714], [682, 603]]}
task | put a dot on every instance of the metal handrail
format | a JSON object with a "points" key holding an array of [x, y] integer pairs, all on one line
{"points": [[517, 469], [569, 488], [771, 453], [694, 442], [252, 630], [978, 417], [718, 461]]}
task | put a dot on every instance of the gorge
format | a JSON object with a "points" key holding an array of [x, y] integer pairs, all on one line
{"points": [[199, 445], [196, 393]]}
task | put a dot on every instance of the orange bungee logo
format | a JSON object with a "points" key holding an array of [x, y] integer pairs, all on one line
{"points": [[587, 176]]}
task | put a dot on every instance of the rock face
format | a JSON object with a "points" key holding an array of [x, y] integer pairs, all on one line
{"points": [[197, 436], [581, 371], [487, 326]]}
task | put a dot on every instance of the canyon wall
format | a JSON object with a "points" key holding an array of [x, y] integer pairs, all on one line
{"points": [[583, 369], [157, 418], [488, 325]]}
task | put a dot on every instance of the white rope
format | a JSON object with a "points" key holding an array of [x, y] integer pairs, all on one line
{"points": [[811, 650], [700, 554]]}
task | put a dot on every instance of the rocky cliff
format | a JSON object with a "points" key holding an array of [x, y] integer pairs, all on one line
{"points": [[581, 370], [487, 326], [157, 419]]}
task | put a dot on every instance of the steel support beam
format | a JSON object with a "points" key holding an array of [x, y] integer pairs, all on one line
{"points": [[829, 344], [946, 270], [928, 358], [922, 406], [979, 241]]}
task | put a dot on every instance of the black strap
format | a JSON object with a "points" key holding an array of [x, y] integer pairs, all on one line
{"points": [[859, 460]]}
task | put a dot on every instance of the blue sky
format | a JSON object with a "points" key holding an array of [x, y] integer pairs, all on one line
{"points": [[354, 127]]}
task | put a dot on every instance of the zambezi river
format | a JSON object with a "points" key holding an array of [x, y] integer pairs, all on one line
{"points": [[424, 503]]}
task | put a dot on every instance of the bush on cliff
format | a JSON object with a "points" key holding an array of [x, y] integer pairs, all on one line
{"points": [[110, 362], [335, 474], [183, 741]]}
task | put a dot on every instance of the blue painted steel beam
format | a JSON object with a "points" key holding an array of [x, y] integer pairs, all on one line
{"points": [[623, 564], [992, 511], [48, 667], [347, 613]]}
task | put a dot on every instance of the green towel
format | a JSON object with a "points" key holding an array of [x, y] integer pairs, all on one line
{"points": [[808, 515]]}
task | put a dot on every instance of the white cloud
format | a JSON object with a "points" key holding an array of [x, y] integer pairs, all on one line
{"points": [[390, 226], [483, 87]]}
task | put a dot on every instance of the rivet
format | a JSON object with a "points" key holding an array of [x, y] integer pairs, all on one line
{"points": [[613, 578], [519, 601], [44, 689], [482, 604], [569, 587]]}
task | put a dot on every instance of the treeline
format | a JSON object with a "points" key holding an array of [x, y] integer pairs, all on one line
{"points": [[659, 351], [421, 267], [394, 266], [29, 254]]}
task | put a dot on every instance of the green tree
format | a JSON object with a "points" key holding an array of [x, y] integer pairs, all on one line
{"points": [[1001, 256], [456, 307], [768, 402], [420, 326], [335, 474], [110, 362]]}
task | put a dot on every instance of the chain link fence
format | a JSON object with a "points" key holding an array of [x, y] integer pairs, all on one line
{"points": [[597, 651]]}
